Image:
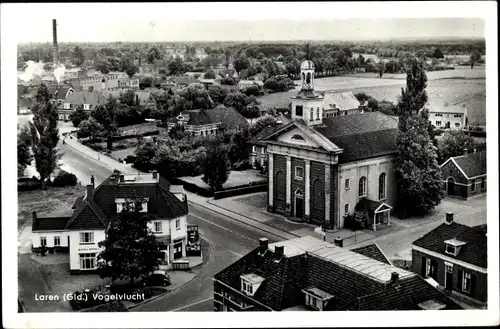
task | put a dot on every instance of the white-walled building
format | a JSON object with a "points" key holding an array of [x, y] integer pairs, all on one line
{"points": [[446, 116], [81, 233]]}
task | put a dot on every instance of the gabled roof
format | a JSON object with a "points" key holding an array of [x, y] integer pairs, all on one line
{"points": [[406, 296], [228, 116], [50, 224], [85, 97], [357, 123], [265, 132], [471, 165], [473, 252], [348, 279], [373, 251], [342, 101], [366, 145], [62, 92], [441, 107]]}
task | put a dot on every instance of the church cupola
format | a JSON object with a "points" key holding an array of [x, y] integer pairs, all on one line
{"points": [[307, 105], [307, 75]]}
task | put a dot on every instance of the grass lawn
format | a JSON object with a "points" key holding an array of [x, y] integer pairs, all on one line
{"points": [[55, 201], [236, 178], [139, 128]]}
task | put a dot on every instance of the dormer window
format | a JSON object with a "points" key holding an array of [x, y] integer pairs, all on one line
{"points": [[316, 298], [250, 283], [453, 246], [122, 203]]}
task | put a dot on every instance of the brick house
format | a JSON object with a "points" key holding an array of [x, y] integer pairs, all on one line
{"points": [[81, 232], [465, 176], [455, 256], [321, 168], [308, 274]]}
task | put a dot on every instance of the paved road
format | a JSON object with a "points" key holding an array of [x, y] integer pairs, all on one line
{"points": [[228, 241]]}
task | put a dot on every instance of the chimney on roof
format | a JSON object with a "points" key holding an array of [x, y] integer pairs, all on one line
{"points": [[35, 218], [339, 242], [449, 218], [465, 151], [263, 244], [90, 191], [394, 277], [92, 180], [279, 251]]}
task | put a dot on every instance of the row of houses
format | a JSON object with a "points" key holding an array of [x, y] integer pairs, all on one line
{"points": [[308, 274]]}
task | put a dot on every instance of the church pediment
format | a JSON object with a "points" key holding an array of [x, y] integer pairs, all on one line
{"points": [[296, 134]]}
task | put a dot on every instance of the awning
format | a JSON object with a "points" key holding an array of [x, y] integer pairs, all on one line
{"points": [[372, 206]]}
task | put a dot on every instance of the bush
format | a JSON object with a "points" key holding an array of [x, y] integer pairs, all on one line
{"points": [[64, 178], [355, 222], [241, 165], [130, 158], [28, 184]]}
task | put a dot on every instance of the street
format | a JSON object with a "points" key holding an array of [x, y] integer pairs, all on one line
{"points": [[228, 241]]}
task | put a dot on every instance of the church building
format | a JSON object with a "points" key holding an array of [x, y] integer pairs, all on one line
{"points": [[323, 168]]}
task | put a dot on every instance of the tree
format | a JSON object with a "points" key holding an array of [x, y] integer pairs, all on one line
{"points": [[474, 57], [194, 96], [216, 166], [417, 170], [177, 132], [78, 116], [153, 55], [176, 67], [437, 53], [263, 122], [128, 66], [239, 101], [45, 134], [90, 127], [241, 63], [217, 94], [453, 144], [78, 56], [24, 156], [130, 249], [210, 74]]}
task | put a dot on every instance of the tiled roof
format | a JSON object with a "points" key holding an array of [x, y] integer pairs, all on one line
{"points": [[266, 131], [356, 124], [61, 93], [311, 264], [472, 164], [84, 97], [403, 297], [366, 145], [341, 101], [473, 252], [228, 116], [373, 251], [440, 107], [49, 224]]}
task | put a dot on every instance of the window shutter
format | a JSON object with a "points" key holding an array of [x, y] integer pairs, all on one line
{"points": [[460, 278], [424, 261], [472, 284]]}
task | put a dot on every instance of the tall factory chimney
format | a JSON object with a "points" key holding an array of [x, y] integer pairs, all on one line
{"points": [[55, 50]]}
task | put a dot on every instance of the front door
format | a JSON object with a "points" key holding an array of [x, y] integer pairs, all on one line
{"points": [[451, 186], [299, 204], [434, 269], [177, 250], [449, 277]]}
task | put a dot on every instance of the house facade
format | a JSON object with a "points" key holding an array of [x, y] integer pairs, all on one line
{"points": [[447, 116], [112, 81], [323, 168], [81, 233], [308, 274], [454, 256], [465, 176]]}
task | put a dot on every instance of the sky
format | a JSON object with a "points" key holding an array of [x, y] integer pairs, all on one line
{"points": [[150, 22]]}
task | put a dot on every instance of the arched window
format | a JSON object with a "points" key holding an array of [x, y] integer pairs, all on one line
{"points": [[362, 186], [308, 79], [298, 137], [317, 193], [381, 185], [280, 186]]}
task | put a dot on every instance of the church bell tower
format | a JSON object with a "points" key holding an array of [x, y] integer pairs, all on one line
{"points": [[307, 105]]}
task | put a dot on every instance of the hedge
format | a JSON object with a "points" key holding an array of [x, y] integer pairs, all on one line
{"points": [[148, 133], [64, 178], [240, 190], [204, 192]]}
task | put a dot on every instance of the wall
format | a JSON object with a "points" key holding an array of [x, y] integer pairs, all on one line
{"points": [[279, 166], [317, 202], [447, 117], [258, 155], [297, 183], [371, 169], [479, 291], [75, 248], [35, 239], [226, 299], [307, 104]]}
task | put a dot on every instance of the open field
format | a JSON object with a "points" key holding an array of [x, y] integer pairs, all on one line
{"points": [[460, 72], [55, 201], [455, 86], [236, 178]]}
